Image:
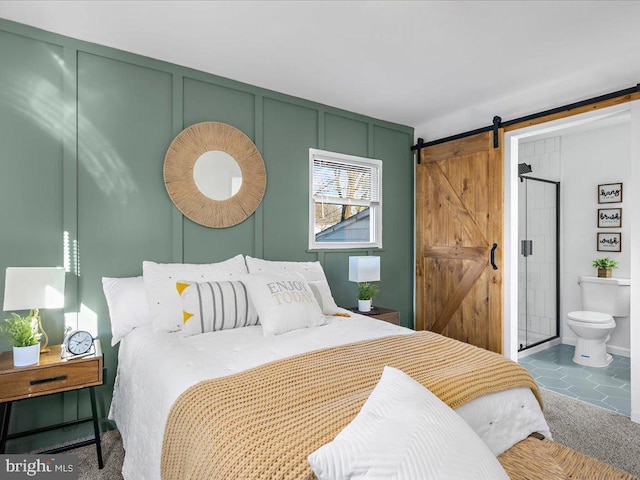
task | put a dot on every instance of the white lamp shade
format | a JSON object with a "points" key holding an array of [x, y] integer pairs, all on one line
{"points": [[364, 269], [28, 288]]}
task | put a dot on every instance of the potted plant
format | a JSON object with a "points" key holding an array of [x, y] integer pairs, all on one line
{"points": [[22, 333], [605, 265], [366, 292]]}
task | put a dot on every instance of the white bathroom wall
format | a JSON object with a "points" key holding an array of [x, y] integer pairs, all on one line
{"points": [[589, 158], [537, 273]]}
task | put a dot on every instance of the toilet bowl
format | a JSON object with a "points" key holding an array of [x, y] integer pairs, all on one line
{"points": [[602, 300], [593, 330]]}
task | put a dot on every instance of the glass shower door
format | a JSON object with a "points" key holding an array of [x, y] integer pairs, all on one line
{"points": [[538, 289]]}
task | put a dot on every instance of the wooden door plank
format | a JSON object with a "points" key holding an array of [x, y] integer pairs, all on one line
{"points": [[464, 146], [495, 326], [458, 210], [455, 299], [456, 252]]}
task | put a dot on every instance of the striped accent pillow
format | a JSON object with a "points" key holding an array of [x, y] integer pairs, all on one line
{"points": [[212, 306]]}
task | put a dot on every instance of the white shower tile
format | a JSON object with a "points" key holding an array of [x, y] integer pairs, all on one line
{"points": [[539, 195], [554, 160], [549, 195], [549, 323], [533, 221], [544, 222], [529, 149], [539, 147], [553, 280], [550, 304], [535, 324], [542, 329], [522, 322], [549, 145], [544, 166], [539, 249], [550, 246], [540, 303], [551, 222]]}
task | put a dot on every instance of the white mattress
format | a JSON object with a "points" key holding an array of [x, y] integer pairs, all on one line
{"points": [[155, 368]]}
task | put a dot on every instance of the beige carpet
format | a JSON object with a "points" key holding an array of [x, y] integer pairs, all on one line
{"points": [[112, 454], [599, 433]]}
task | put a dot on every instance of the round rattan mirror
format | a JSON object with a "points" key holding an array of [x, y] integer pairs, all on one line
{"points": [[190, 186]]}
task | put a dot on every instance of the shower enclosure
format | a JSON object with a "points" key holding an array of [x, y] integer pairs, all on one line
{"points": [[539, 260]]}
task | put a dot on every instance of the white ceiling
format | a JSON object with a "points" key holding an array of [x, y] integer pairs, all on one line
{"points": [[442, 67]]}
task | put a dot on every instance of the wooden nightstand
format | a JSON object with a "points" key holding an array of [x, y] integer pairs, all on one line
{"points": [[385, 314], [51, 375]]}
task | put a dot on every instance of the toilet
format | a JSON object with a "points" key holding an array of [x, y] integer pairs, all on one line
{"points": [[602, 299]]}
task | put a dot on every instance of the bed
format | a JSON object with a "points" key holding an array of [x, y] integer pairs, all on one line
{"points": [[156, 368], [248, 369]]}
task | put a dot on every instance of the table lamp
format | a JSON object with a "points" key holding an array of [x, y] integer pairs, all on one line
{"points": [[364, 270], [27, 288]]}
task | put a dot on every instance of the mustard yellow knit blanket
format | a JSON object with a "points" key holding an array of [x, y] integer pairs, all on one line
{"points": [[264, 422]]}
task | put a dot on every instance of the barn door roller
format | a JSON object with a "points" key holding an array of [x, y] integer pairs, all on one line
{"points": [[496, 126]]}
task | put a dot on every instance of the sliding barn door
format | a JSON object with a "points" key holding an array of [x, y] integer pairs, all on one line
{"points": [[459, 218]]}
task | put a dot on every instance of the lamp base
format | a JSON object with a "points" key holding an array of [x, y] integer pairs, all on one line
{"points": [[44, 348]]}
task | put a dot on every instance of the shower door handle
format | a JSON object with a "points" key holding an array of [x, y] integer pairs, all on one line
{"points": [[493, 256]]}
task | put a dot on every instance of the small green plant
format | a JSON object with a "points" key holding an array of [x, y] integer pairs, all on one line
{"points": [[605, 262], [20, 331], [366, 291]]}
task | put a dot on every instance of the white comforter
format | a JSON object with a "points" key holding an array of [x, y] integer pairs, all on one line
{"points": [[155, 368]]}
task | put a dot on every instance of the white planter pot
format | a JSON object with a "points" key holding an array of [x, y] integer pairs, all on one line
{"points": [[364, 305], [23, 356]]}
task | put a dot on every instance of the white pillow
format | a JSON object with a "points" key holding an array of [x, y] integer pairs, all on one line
{"points": [[283, 302], [212, 306], [128, 307], [405, 432], [164, 299], [312, 272], [322, 292]]}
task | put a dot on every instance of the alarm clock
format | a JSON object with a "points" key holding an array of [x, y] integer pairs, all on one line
{"points": [[78, 342]]}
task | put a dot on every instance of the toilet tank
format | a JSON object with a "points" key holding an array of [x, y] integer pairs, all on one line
{"points": [[606, 295]]}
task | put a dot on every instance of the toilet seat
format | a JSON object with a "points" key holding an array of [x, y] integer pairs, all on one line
{"points": [[590, 317]]}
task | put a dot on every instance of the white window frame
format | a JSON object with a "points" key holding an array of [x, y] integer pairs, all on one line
{"points": [[375, 209]]}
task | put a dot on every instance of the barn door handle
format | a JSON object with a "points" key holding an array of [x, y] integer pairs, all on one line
{"points": [[493, 256]]}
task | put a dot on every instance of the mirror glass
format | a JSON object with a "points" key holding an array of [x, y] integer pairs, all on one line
{"points": [[217, 175]]}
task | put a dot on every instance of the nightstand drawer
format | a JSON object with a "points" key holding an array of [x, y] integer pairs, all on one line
{"points": [[59, 378]]}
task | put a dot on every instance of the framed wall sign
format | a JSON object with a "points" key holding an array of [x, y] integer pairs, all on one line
{"points": [[610, 193], [609, 242], [609, 218]]}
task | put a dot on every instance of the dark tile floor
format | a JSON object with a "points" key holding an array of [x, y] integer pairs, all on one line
{"points": [[608, 387]]}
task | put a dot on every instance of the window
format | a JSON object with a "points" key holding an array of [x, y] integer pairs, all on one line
{"points": [[345, 201]]}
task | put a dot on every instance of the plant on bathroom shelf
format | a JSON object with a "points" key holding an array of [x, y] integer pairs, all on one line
{"points": [[605, 265]]}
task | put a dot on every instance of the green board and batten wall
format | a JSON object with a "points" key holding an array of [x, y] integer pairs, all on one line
{"points": [[83, 134]]}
